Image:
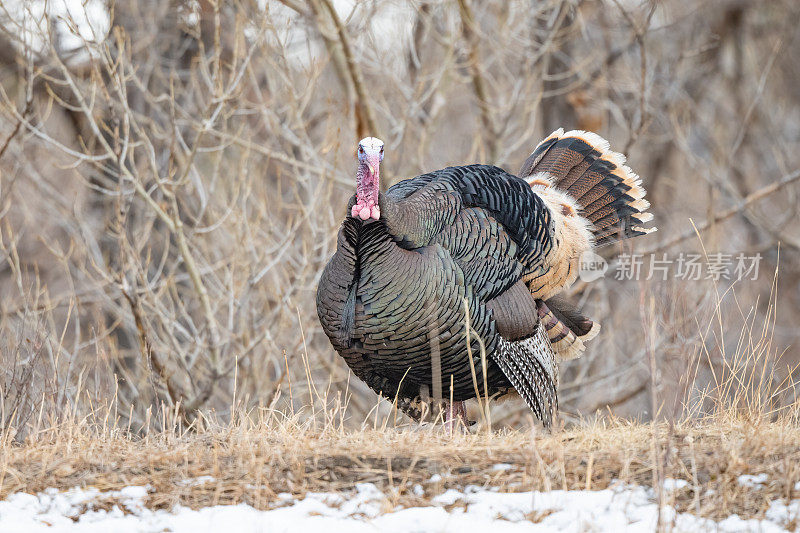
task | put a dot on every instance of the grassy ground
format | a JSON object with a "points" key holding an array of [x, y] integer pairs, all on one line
{"points": [[256, 458], [748, 423]]}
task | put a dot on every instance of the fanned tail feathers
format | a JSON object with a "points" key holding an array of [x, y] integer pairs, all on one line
{"points": [[594, 199], [608, 193]]}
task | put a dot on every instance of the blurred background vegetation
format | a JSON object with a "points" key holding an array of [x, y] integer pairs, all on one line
{"points": [[173, 174]]}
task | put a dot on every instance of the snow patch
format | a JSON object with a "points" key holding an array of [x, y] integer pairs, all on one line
{"points": [[197, 481], [367, 509], [752, 481], [674, 484]]}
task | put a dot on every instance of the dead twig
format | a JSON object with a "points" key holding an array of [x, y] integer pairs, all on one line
{"points": [[750, 199]]}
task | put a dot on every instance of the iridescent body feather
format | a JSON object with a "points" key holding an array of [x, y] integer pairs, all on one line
{"points": [[467, 261]]}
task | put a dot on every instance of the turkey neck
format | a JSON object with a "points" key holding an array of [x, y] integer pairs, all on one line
{"points": [[392, 218], [412, 222]]}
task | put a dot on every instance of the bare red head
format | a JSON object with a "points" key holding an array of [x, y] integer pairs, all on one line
{"points": [[370, 155]]}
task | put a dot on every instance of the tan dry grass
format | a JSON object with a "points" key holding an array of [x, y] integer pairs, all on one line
{"points": [[255, 459]]}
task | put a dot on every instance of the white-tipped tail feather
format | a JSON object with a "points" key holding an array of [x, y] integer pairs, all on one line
{"points": [[594, 199]]}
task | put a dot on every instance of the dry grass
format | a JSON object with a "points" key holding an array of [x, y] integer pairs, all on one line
{"points": [[262, 455]]}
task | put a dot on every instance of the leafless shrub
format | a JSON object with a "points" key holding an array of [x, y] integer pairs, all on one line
{"points": [[170, 187]]}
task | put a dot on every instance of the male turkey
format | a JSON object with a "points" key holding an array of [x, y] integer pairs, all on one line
{"points": [[474, 245]]}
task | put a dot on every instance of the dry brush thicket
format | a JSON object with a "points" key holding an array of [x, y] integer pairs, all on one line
{"points": [[170, 189]]}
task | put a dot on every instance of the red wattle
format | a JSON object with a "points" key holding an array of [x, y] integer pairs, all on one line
{"points": [[367, 190]]}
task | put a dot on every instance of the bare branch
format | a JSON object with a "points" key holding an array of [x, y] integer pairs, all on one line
{"points": [[468, 28]]}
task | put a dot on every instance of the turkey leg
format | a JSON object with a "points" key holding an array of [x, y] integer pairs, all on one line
{"points": [[455, 411]]}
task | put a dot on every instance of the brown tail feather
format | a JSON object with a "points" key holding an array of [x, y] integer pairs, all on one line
{"points": [[566, 327], [609, 193]]}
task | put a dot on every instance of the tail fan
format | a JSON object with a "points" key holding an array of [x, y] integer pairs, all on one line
{"points": [[609, 194]]}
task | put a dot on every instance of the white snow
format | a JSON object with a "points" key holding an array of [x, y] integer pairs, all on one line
{"points": [[197, 481], [752, 481], [367, 509], [670, 484]]}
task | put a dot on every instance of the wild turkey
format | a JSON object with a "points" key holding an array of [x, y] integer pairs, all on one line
{"points": [[479, 246]]}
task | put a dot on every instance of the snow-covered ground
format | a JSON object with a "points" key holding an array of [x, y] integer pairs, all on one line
{"points": [[622, 508]]}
